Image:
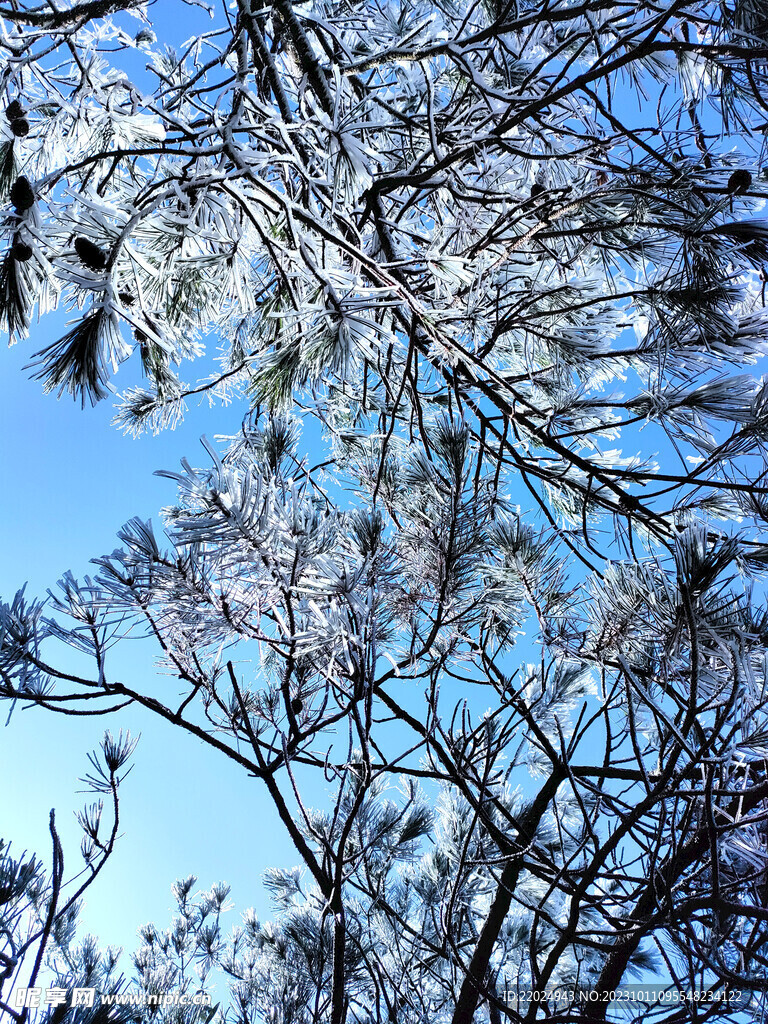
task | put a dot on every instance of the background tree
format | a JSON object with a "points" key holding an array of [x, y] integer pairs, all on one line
{"points": [[38, 913], [431, 229]]}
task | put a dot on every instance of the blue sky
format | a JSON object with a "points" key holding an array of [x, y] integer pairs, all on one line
{"points": [[70, 480]]}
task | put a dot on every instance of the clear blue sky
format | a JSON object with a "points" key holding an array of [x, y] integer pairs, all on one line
{"points": [[70, 480]]}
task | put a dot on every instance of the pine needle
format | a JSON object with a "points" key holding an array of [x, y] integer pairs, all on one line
{"points": [[7, 169], [14, 297], [76, 363]]}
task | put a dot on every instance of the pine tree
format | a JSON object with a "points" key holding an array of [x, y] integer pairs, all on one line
{"points": [[510, 257], [39, 913]]}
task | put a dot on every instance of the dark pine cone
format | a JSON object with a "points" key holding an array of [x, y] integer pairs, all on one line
{"points": [[14, 110], [21, 252], [91, 255], [297, 705], [739, 182], [22, 196], [537, 190], [20, 126]]}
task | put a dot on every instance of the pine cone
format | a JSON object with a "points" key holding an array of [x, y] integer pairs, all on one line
{"points": [[91, 255], [739, 182], [14, 110], [22, 196], [21, 252], [20, 126], [297, 705]]}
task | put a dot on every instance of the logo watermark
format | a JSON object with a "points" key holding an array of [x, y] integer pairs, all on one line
{"points": [[34, 998]]}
